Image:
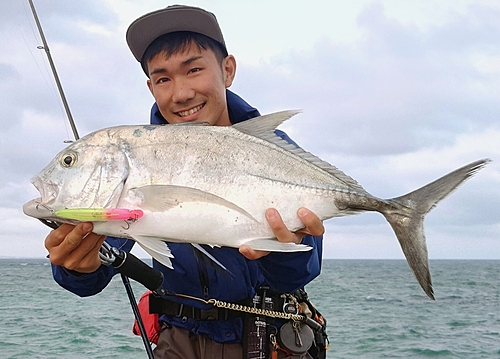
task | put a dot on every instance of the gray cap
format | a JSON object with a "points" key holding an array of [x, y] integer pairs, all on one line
{"points": [[143, 31]]}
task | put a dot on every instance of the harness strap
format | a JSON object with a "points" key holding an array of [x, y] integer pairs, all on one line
{"points": [[164, 306]]}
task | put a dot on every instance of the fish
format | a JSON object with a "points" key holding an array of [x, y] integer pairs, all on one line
{"points": [[211, 185]]}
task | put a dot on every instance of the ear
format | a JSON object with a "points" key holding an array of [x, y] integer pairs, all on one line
{"points": [[229, 70], [150, 87]]}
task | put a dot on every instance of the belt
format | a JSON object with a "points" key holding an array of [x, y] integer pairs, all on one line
{"points": [[164, 306]]}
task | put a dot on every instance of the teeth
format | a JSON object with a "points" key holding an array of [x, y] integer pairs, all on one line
{"points": [[190, 112]]}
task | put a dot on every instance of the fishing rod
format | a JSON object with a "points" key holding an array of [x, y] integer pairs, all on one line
{"points": [[125, 263], [45, 47]]}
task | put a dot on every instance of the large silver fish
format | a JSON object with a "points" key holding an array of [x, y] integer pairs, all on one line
{"points": [[211, 185]]}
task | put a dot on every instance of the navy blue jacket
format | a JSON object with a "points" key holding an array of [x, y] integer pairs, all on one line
{"points": [[283, 272]]}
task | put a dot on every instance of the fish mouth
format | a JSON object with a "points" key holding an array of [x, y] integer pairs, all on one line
{"points": [[36, 209], [48, 191], [41, 207]]}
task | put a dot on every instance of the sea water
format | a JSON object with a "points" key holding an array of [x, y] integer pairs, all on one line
{"points": [[374, 308]]}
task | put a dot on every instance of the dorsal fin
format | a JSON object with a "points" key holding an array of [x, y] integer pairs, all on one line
{"points": [[263, 127]]}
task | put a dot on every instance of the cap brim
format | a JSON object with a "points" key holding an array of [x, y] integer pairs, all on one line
{"points": [[143, 31]]}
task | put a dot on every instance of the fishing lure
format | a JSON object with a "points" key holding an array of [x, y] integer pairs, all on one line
{"points": [[100, 214]]}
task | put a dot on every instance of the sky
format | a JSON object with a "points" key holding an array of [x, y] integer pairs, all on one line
{"points": [[394, 93]]}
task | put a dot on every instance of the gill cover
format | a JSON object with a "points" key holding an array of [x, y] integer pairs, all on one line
{"points": [[95, 180]]}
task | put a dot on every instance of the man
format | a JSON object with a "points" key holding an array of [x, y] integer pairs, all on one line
{"points": [[183, 53]]}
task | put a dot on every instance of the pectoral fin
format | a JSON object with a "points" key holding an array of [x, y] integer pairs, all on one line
{"points": [[160, 198]]}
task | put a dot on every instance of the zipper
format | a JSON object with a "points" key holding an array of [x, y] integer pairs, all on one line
{"points": [[203, 276]]}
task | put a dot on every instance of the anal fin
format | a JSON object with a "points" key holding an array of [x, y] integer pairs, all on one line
{"points": [[211, 258], [273, 245]]}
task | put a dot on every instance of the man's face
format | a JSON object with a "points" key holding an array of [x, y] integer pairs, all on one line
{"points": [[191, 85]]}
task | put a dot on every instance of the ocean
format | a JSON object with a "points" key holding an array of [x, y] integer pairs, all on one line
{"points": [[374, 308]]}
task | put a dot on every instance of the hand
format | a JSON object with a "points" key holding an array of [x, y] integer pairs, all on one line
{"points": [[75, 247], [312, 226]]}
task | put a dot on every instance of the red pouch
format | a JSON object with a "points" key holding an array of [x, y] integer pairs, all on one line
{"points": [[150, 321]]}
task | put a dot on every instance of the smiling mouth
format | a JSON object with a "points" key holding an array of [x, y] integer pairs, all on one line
{"points": [[190, 111]]}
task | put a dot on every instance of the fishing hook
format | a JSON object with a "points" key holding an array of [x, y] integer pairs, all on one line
{"points": [[44, 206], [128, 225]]}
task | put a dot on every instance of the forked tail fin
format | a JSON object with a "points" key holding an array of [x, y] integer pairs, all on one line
{"points": [[407, 218]]}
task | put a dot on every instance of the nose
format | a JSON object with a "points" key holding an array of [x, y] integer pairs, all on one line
{"points": [[182, 91]]}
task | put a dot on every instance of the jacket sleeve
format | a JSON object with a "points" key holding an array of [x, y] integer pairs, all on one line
{"points": [[85, 285], [287, 272]]}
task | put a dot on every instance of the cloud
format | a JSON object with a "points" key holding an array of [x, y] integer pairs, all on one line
{"points": [[394, 97], [399, 87], [397, 108]]}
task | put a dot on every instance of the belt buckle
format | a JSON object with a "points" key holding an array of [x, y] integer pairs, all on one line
{"points": [[181, 309], [210, 314]]}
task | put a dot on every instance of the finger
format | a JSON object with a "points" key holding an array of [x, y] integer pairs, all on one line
{"points": [[58, 235], [313, 224], [85, 258], [252, 254], [90, 244], [76, 236], [281, 232], [63, 241]]}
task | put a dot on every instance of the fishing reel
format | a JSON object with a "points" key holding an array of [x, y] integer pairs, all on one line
{"points": [[132, 267]]}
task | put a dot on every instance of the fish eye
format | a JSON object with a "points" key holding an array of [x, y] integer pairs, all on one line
{"points": [[68, 160]]}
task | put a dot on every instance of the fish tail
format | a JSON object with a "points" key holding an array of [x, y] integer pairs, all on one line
{"points": [[407, 218]]}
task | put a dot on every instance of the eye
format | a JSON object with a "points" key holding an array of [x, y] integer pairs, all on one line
{"points": [[162, 80], [68, 160], [195, 69]]}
